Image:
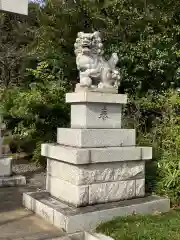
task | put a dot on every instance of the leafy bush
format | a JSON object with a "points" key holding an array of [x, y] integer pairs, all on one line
{"points": [[157, 117], [145, 34], [35, 113]]}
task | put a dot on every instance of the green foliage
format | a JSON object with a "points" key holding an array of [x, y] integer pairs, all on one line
{"points": [[38, 111], [17, 34], [156, 227], [156, 118], [145, 34]]}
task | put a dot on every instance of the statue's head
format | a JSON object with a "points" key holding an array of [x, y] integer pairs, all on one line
{"points": [[88, 43]]}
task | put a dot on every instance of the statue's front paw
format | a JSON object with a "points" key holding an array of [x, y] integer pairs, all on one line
{"points": [[85, 80], [116, 75], [100, 85]]}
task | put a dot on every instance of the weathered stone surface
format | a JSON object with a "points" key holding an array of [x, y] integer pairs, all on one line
{"points": [[95, 173], [140, 187], [76, 195], [66, 154], [59, 220], [27, 201], [115, 154], [87, 218], [5, 166], [96, 137], [95, 97], [44, 211], [95, 115], [111, 191]]}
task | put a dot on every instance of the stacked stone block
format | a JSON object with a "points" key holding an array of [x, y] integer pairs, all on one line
{"points": [[5, 160], [95, 161], [6, 175]]}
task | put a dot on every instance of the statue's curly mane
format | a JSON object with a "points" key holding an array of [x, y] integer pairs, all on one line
{"points": [[94, 69], [96, 46]]}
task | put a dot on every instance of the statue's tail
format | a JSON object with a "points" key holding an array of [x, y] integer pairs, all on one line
{"points": [[113, 60]]}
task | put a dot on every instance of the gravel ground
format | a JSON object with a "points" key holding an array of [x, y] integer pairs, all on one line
{"points": [[35, 175]]}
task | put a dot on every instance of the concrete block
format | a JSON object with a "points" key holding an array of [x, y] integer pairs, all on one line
{"points": [[5, 166], [96, 97], [87, 218], [140, 187], [95, 173], [103, 213], [95, 115], [64, 153], [96, 137], [27, 201], [115, 154], [12, 181], [63, 190], [111, 191], [43, 211], [59, 220], [146, 153]]}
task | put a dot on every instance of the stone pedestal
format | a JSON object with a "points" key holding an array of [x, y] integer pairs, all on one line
{"points": [[95, 170], [7, 179], [95, 110], [6, 176]]}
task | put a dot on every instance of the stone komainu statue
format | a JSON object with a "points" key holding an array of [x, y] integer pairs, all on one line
{"points": [[94, 70]]}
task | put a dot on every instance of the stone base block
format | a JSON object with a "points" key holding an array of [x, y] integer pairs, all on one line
{"points": [[12, 181], [87, 174], [96, 97], [96, 137], [84, 195], [95, 115], [80, 156], [73, 219], [5, 166], [72, 194]]}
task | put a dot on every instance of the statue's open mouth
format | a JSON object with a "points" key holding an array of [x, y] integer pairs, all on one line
{"points": [[86, 45]]}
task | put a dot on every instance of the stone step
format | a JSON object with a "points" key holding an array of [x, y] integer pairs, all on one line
{"points": [[74, 219]]}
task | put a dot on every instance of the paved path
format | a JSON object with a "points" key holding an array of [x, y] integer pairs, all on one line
{"points": [[17, 223]]}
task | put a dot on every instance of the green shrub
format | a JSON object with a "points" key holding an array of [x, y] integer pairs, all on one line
{"points": [[34, 113], [156, 118]]}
